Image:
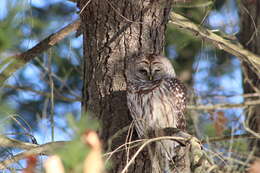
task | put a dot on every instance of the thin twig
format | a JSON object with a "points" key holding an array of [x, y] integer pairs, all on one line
{"points": [[248, 95], [148, 141], [224, 105], [109, 154], [63, 82], [83, 8], [247, 128], [46, 94], [224, 138]]}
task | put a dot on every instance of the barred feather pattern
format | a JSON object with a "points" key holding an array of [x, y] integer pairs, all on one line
{"points": [[158, 105], [155, 105]]}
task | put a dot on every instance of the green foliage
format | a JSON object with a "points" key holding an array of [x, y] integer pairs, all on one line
{"points": [[5, 119], [5, 112], [73, 155], [240, 145], [209, 130], [8, 33], [196, 11], [85, 122]]}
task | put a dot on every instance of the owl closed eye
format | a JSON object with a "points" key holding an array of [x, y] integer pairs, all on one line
{"points": [[151, 68], [143, 71]]}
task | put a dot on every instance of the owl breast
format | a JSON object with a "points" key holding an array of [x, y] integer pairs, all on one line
{"points": [[158, 105]]}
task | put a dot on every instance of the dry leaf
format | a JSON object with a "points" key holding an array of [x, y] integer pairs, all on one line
{"points": [[31, 162], [220, 122]]}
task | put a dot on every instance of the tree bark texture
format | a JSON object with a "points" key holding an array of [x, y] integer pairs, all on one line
{"points": [[114, 30], [250, 38]]}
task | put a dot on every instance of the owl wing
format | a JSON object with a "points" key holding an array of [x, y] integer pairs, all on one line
{"points": [[178, 97]]}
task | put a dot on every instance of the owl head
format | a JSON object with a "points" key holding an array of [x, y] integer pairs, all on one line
{"points": [[149, 68]]}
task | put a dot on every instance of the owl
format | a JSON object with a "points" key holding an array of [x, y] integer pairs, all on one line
{"points": [[156, 100]]}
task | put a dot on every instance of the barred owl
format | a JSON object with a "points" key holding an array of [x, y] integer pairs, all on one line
{"points": [[156, 100]]}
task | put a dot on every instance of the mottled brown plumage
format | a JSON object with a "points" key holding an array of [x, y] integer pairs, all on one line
{"points": [[156, 100]]}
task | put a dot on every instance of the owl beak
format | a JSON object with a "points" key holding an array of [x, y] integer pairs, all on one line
{"points": [[150, 77]]}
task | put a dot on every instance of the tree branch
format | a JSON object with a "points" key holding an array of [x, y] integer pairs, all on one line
{"points": [[10, 64], [233, 48], [224, 138], [224, 106], [8, 142], [45, 94], [34, 150]]}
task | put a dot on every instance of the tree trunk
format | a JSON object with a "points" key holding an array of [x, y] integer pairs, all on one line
{"points": [[114, 30], [250, 38]]}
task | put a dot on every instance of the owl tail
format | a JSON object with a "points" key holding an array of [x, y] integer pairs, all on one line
{"points": [[162, 156], [156, 166]]}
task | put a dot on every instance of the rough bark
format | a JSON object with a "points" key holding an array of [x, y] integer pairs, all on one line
{"points": [[114, 30], [250, 38]]}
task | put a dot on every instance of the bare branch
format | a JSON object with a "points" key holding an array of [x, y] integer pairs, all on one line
{"points": [[224, 138], [224, 105], [146, 142], [8, 142], [247, 95], [46, 94], [233, 48], [41, 149], [13, 63]]}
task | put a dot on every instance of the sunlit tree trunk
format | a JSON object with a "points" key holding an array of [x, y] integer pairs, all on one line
{"points": [[113, 30], [250, 38]]}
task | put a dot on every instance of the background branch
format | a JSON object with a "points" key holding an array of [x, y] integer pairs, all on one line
{"points": [[231, 47], [224, 105], [224, 138], [34, 150], [42, 93], [8, 142], [10, 64]]}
